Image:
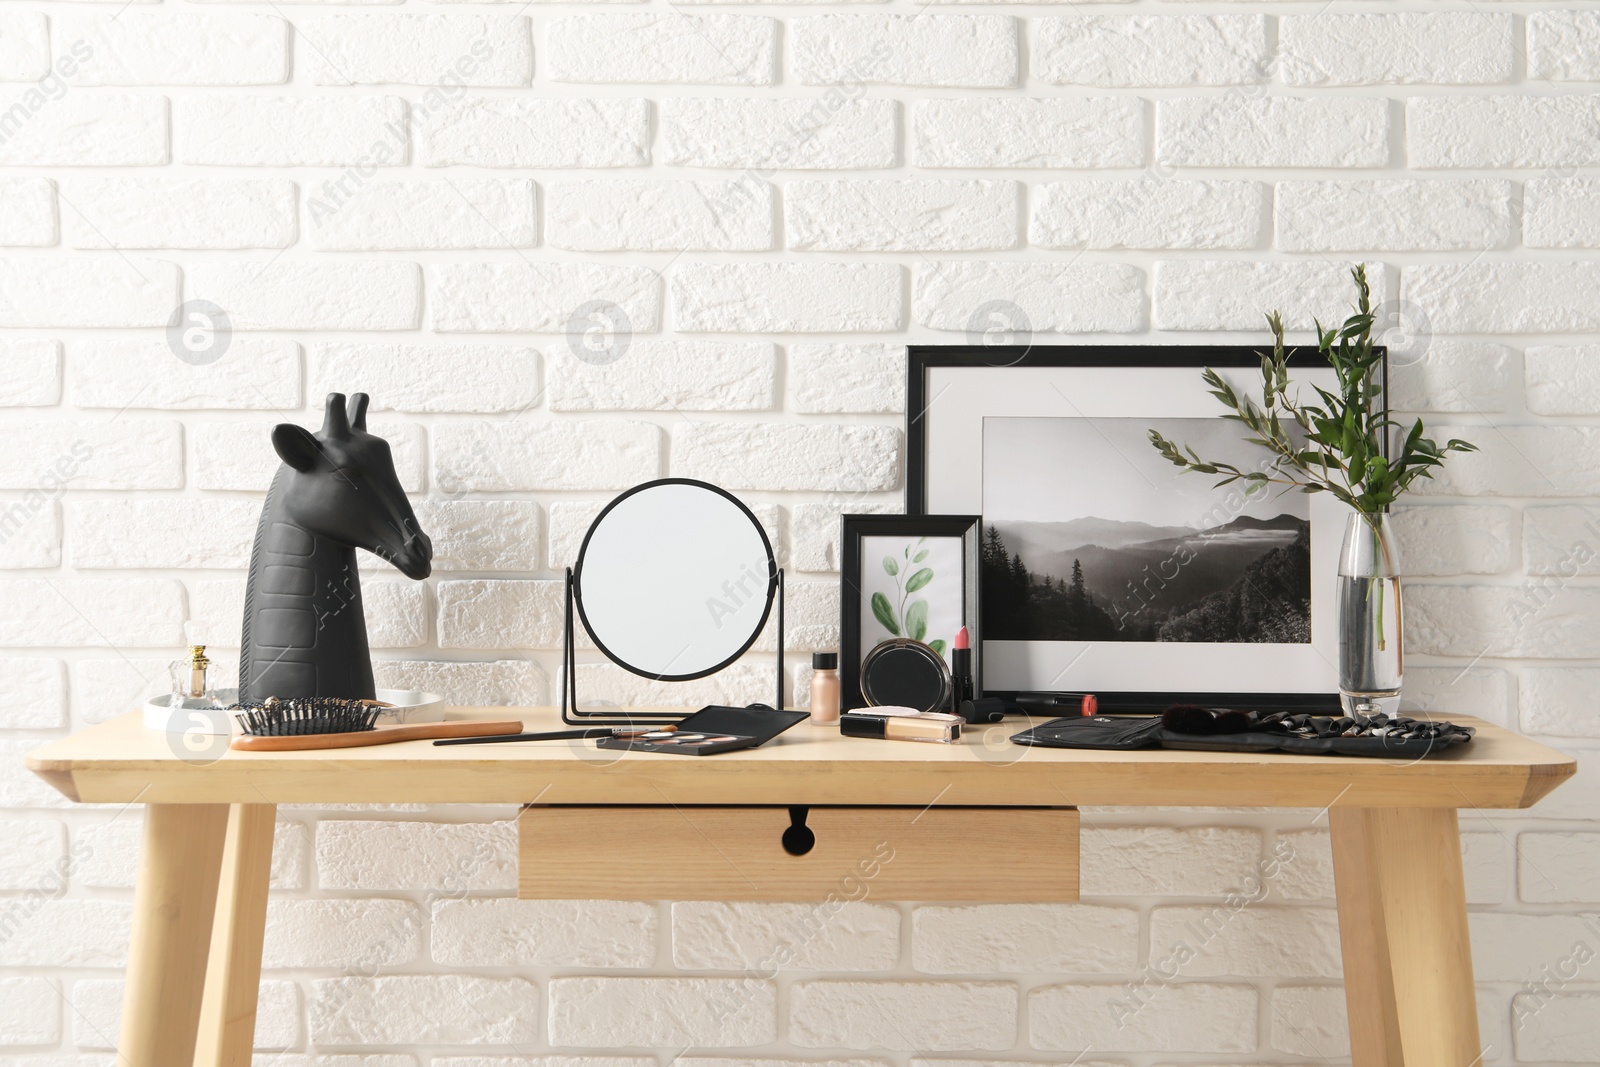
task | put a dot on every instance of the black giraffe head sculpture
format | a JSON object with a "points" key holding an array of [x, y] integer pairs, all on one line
{"points": [[305, 630]]}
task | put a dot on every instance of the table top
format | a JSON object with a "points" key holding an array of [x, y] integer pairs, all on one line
{"points": [[120, 761]]}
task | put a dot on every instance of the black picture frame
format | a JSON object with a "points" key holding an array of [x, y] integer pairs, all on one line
{"points": [[853, 528], [924, 360]]}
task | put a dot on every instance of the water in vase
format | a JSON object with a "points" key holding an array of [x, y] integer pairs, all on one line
{"points": [[1370, 659]]}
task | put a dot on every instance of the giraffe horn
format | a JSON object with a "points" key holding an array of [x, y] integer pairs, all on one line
{"points": [[334, 422], [358, 410]]}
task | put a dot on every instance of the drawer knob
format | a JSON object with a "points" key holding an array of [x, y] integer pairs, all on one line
{"points": [[798, 838]]}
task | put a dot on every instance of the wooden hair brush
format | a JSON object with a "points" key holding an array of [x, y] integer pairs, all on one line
{"points": [[330, 722]]}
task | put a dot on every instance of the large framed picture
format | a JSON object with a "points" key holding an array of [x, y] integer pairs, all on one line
{"points": [[907, 576], [1104, 568]]}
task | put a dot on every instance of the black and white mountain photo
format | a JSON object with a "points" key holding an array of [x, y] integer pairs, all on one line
{"points": [[1089, 535]]}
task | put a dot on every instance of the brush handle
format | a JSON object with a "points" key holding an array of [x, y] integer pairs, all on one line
{"points": [[547, 735], [383, 735]]}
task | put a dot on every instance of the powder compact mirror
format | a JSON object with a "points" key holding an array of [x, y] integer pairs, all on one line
{"points": [[905, 673]]}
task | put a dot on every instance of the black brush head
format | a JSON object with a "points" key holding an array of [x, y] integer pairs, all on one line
{"points": [[300, 716], [1193, 719]]}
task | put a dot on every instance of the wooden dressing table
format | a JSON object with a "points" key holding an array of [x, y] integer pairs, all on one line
{"points": [[948, 815]]}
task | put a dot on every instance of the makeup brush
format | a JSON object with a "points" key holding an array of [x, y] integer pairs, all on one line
{"points": [[630, 733], [303, 723]]}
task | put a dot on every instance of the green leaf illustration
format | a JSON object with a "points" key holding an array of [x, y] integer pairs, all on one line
{"points": [[917, 620], [937, 646], [885, 614], [891, 565], [919, 579]]}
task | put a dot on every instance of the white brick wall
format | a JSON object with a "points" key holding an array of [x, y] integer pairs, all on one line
{"points": [[673, 48], [654, 216], [1150, 50], [1055, 298], [972, 51], [476, 50], [831, 133], [885, 215], [1272, 131], [804, 296], [350, 294], [155, 213], [254, 130], [1145, 213], [176, 48], [1018, 131], [24, 46], [700, 1012], [27, 212], [498, 131], [49, 293], [571, 246], [1409, 48], [84, 130], [458, 213], [1398, 216]]}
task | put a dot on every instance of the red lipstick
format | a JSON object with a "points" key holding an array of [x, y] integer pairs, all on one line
{"points": [[962, 685]]}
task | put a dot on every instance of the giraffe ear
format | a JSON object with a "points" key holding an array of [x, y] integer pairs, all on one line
{"points": [[358, 411], [295, 445]]}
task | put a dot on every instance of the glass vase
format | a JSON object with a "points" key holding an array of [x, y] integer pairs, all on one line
{"points": [[1371, 659]]}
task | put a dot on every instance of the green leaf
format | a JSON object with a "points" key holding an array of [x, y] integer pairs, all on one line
{"points": [[917, 620], [891, 565], [937, 646], [919, 579], [1336, 444], [885, 614], [920, 556]]}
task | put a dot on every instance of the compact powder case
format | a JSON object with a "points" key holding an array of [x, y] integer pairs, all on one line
{"points": [[906, 673]]}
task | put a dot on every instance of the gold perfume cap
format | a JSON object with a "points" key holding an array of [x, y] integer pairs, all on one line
{"points": [[197, 656]]}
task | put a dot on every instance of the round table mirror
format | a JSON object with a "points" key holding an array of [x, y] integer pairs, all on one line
{"points": [[675, 579]]}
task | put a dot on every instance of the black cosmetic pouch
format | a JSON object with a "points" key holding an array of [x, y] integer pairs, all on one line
{"points": [[1093, 731], [1215, 730]]}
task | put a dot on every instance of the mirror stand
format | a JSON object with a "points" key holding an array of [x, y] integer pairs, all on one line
{"points": [[575, 716]]}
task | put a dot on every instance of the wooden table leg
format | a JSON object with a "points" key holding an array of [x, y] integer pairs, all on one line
{"points": [[1403, 928], [227, 1027], [173, 900]]}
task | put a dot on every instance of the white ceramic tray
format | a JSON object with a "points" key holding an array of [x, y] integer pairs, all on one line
{"points": [[410, 706]]}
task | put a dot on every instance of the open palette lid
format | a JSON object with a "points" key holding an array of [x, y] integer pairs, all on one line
{"points": [[757, 721]]}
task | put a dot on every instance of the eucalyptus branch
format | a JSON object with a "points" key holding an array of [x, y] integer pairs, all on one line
{"points": [[1337, 444]]}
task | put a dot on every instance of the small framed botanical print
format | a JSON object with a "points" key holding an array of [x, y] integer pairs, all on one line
{"points": [[907, 576]]}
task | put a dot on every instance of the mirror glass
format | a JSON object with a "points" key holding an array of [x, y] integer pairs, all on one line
{"points": [[675, 579]]}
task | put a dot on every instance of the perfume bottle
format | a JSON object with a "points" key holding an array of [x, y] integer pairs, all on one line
{"points": [[197, 671]]}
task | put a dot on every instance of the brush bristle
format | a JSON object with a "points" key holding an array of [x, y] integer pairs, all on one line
{"points": [[300, 716]]}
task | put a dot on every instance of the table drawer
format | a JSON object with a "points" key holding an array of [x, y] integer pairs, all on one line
{"points": [[1010, 855]]}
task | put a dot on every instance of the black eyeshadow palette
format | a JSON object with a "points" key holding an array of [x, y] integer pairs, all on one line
{"points": [[714, 728], [681, 744]]}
